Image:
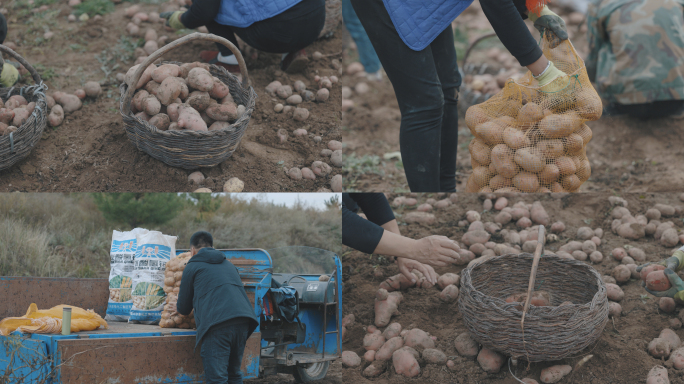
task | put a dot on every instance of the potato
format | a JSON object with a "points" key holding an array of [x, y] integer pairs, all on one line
{"points": [[220, 89], [350, 359], [573, 144], [70, 103], [490, 360], [373, 341], [614, 309], [185, 68], [529, 160], [233, 185], [199, 100], [375, 369], [659, 348], [189, 118], [419, 339], [405, 363], [481, 176], [558, 126], [449, 294], [657, 281], [144, 78], [172, 111], [185, 92], [530, 113], [550, 149], [20, 116], [657, 375], [565, 166], [571, 183], [369, 355], [200, 79], [161, 121], [392, 330], [490, 132], [475, 116], [16, 101], [669, 238], [169, 90], [621, 273], [151, 105], [588, 104], [480, 152], [554, 373], [300, 114], [597, 257], [526, 182], [648, 269], [434, 356], [448, 279], [614, 292], [336, 183], [385, 352], [515, 138], [502, 160], [667, 304], [56, 116], [466, 346], [6, 115], [163, 71]]}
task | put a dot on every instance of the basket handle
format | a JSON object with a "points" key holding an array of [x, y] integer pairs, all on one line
{"points": [[533, 275], [174, 44], [22, 61]]}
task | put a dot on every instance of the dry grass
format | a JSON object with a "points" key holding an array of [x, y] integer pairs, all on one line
{"points": [[65, 235]]}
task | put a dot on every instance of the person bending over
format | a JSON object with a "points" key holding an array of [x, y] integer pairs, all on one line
{"points": [[273, 26], [211, 286], [636, 56], [415, 43]]}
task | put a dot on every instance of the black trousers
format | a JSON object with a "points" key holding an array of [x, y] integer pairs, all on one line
{"points": [[426, 84], [290, 31]]}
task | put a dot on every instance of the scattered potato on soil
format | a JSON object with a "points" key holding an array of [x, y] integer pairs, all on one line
{"points": [[405, 363], [554, 373], [614, 309], [659, 348], [92, 89], [233, 185], [350, 359], [490, 360], [433, 356], [56, 116], [657, 375]]}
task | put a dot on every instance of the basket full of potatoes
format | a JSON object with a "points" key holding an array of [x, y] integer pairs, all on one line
{"points": [[23, 115], [188, 115]]}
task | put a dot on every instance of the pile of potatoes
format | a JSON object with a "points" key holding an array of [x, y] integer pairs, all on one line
{"points": [[527, 146], [186, 97], [297, 94], [172, 282], [13, 113], [651, 223]]}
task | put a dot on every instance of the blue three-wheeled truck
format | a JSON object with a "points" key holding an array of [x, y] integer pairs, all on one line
{"points": [[138, 353]]}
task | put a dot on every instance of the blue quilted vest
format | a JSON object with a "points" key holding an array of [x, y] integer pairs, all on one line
{"points": [[243, 13], [418, 22]]}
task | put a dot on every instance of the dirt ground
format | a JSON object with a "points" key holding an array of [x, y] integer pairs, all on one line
{"points": [[90, 150], [620, 354], [626, 155]]}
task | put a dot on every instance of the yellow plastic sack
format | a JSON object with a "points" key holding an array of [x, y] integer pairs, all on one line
{"points": [[533, 139], [50, 320]]}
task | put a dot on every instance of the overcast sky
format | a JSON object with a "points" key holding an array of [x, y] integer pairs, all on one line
{"points": [[316, 200]]}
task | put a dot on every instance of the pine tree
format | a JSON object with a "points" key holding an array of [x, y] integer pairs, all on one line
{"points": [[139, 209]]}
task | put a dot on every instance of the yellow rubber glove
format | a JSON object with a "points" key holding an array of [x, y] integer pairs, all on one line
{"points": [[552, 79], [9, 75], [173, 19]]}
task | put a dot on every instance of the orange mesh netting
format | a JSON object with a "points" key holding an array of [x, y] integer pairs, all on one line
{"points": [[50, 320], [532, 139], [172, 281]]}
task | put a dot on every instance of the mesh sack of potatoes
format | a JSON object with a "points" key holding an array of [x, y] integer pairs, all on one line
{"points": [[533, 139], [172, 281]]}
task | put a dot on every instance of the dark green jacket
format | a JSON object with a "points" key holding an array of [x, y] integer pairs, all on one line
{"points": [[211, 285]]}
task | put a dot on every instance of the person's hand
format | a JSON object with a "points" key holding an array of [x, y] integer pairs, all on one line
{"points": [[549, 22], [671, 262], [173, 19], [437, 251], [552, 79], [677, 290], [9, 75], [408, 265]]}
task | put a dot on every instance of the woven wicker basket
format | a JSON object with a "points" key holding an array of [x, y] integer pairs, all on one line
{"points": [[550, 333], [17, 145], [191, 149]]}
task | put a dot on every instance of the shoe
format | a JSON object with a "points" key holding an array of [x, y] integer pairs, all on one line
{"points": [[294, 62], [208, 56], [375, 76]]}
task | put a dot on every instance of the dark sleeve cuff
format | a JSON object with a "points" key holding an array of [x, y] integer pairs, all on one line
{"points": [[359, 233], [375, 206]]}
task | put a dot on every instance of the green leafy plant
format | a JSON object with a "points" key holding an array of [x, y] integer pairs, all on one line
{"points": [[94, 7]]}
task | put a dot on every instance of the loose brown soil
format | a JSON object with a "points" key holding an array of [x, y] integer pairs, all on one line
{"points": [[90, 150], [626, 155], [334, 376], [620, 354]]}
